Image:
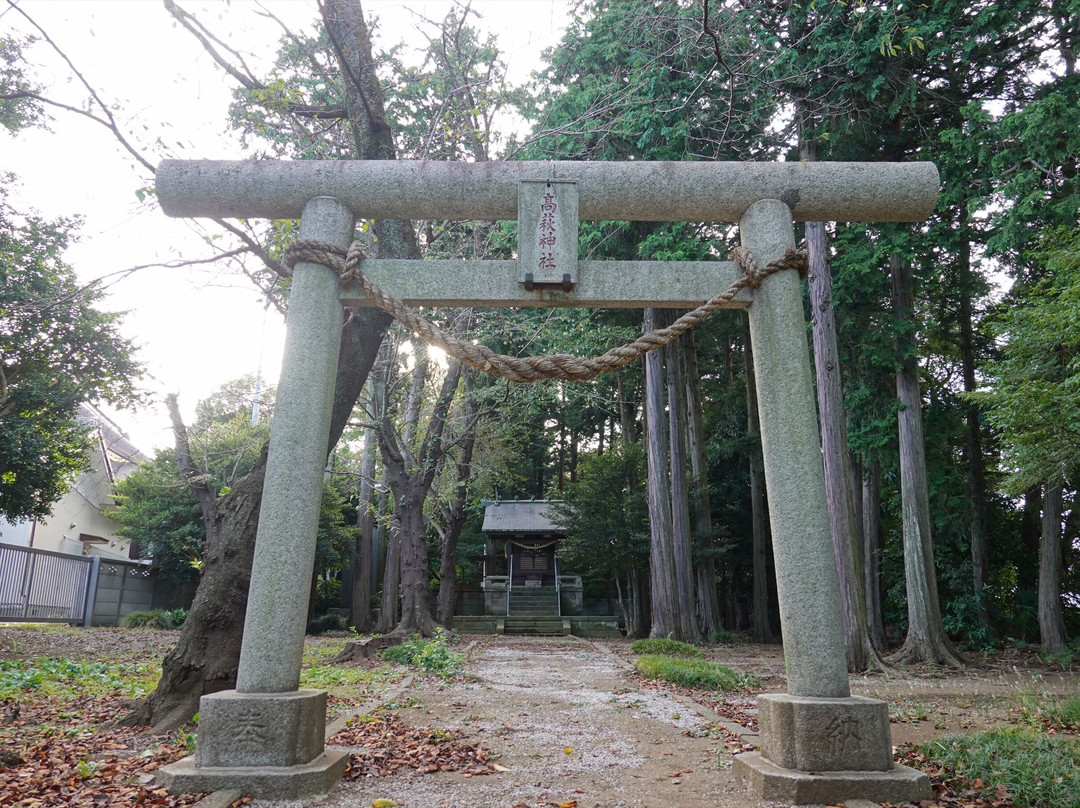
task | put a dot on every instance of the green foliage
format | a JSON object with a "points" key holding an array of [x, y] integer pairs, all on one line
{"points": [[1033, 396], [17, 113], [1044, 710], [57, 351], [158, 618], [697, 673], [58, 677], [605, 514], [432, 656], [662, 646], [1038, 770], [151, 619], [157, 509], [327, 622]]}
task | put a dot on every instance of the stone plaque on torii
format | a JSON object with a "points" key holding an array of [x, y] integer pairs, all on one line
{"points": [[819, 744]]}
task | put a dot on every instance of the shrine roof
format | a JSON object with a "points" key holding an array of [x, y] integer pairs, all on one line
{"points": [[520, 516]]}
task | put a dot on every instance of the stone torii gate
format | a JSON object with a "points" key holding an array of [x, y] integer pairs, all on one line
{"points": [[818, 743]]}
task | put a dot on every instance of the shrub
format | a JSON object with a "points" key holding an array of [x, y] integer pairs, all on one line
{"points": [[175, 617], [1038, 770], [432, 656], [694, 673], [664, 647], [328, 622], [152, 619]]}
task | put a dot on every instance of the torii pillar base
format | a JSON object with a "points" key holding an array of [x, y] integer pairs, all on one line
{"points": [[268, 745], [827, 750]]}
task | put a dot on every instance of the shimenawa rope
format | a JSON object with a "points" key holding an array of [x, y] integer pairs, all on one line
{"points": [[533, 368]]}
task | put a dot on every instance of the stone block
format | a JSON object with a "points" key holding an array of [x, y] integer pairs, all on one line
{"points": [[260, 729], [825, 734], [304, 782], [770, 783]]}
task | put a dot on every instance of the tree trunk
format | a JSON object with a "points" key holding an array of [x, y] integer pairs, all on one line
{"points": [[762, 549], [833, 419], [665, 621], [708, 607], [390, 599], [365, 521], [637, 619], [458, 511], [1027, 573], [415, 613], [973, 451], [410, 483], [627, 425], [872, 544], [207, 655], [926, 640], [680, 504], [1051, 617]]}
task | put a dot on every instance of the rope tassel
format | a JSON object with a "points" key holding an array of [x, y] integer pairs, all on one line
{"points": [[533, 368]]}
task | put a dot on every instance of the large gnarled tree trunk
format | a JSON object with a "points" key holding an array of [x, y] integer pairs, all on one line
{"points": [[410, 479], [455, 521], [207, 654]]}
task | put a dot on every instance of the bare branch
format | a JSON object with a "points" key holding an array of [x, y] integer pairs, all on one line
{"points": [[108, 121], [196, 481]]}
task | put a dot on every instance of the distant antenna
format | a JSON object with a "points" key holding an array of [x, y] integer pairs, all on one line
{"points": [[257, 400], [258, 394]]}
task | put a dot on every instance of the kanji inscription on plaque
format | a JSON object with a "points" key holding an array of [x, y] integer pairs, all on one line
{"points": [[547, 233]]}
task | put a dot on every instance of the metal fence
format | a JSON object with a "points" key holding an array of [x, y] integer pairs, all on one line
{"points": [[43, 586]]}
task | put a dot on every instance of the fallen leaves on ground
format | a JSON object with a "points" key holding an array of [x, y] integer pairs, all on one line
{"points": [[73, 758], [950, 789], [741, 710], [386, 744]]}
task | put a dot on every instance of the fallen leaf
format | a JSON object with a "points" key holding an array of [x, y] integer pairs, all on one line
{"points": [[382, 802]]}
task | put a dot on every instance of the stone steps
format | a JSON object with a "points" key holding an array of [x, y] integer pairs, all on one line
{"points": [[536, 626]]}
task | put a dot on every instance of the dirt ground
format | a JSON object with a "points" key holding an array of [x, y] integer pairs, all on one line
{"points": [[565, 722], [570, 726]]}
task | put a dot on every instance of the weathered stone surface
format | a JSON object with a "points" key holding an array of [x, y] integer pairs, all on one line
{"points": [[637, 190], [285, 543], [771, 783], [306, 782], [815, 734], [260, 729], [547, 232], [806, 582], [600, 284]]}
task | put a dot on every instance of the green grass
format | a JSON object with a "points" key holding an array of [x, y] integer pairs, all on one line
{"points": [[1039, 770], [65, 678], [1042, 710], [432, 656], [170, 619], [326, 677], [1065, 713], [664, 647], [694, 673]]}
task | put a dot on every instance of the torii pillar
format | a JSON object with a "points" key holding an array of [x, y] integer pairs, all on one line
{"points": [[818, 743]]}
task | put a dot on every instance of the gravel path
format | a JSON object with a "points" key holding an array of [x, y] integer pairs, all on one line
{"points": [[570, 727]]}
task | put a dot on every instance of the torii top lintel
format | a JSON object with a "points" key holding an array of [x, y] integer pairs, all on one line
{"points": [[621, 191]]}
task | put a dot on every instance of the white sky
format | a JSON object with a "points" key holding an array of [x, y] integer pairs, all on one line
{"points": [[197, 328]]}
